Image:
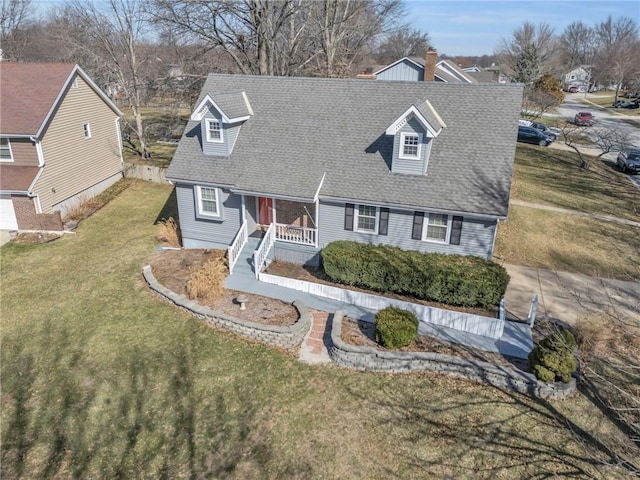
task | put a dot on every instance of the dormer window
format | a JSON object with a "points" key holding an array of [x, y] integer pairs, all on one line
{"points": [[214, 131], [410, 145]]}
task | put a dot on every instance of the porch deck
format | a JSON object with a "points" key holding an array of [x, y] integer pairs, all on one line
{"points": [[515, 341]]}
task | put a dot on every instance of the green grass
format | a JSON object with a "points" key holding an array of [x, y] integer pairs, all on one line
{"points": [[553, 177], [101, 379]]}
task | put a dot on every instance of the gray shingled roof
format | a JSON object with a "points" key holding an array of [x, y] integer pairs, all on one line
{"points": [[429, 115], [304, 127], [232, 104]]}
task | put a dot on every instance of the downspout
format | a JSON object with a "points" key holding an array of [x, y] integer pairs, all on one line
{"points": [[41, 164], [493, 244]]}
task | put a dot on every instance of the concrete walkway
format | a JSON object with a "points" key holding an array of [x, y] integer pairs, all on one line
{"points": [[570, 297], [516, 340]]}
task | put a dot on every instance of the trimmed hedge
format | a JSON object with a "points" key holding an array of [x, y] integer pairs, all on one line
{"points": [[395, 327], [449, 279], [553, 359]]}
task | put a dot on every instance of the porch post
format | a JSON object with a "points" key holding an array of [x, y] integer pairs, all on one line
{"points": [[243, 218], [317, 220]]}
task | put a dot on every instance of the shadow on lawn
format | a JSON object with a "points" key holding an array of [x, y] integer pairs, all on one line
{"points": [[169, 209], [66, 417], [465, 436]]}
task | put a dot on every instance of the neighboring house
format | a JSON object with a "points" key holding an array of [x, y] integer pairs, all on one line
{"points": [[579, 76], [59, 143], [427, 69], [421, 165]]}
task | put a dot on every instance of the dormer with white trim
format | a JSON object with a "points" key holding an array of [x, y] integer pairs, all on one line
{"points": [[414, 132], [221, 117]]}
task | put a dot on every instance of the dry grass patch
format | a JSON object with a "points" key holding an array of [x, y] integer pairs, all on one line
{"points": [[207, 281], [556, 241], [168, 232]]}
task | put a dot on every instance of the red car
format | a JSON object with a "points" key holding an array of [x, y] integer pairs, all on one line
{"points": [[585, 119]]}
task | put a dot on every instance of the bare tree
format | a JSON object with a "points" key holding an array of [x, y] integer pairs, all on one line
{"points": [[578, 45], [618, 50], [403, 42], [111, 35], [525, 40], [14, 17], [603, 139]]}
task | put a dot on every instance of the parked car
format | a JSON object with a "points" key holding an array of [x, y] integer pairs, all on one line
{"points": [[533, 135], [573, 89], [623, 104], [629, 160], [548, 131], [584, 119]]}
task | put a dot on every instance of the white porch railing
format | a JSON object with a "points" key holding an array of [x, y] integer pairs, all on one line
{"points": [[233, 251], [260, 255], [293, 234]]}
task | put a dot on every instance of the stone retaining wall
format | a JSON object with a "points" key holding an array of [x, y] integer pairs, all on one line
{"points": [[372, 359], [285, 337]]}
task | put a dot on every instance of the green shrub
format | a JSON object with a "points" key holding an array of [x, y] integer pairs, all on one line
{"points": [[395, 327], [553, 359], [450, 279]]}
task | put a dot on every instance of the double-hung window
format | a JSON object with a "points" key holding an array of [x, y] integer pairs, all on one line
{"points": [[214, 131], [437, 227], [5, 150], [208, 202], [410, 145], [366, 218]]}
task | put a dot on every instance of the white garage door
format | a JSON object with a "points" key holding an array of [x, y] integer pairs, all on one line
{"points": [[7, 214]]}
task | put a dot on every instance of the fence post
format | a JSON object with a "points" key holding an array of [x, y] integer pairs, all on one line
{"points": [[532, 310]]}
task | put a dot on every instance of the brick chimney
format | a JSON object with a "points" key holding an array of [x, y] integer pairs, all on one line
{"points": [[430, 65]]}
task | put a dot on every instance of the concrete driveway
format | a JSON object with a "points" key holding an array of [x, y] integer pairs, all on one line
{"points": [[570, 297]]}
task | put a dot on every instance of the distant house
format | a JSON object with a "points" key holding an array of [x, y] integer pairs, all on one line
{"points": [[59, 143], [579, 76], [318, 160], [427, 69]]}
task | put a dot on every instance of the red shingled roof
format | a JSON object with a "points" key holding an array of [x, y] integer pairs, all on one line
{"points": [[27, 93], [17, 178]]}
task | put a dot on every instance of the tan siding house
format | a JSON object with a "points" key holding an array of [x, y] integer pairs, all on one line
{"points": [[65, 142]]}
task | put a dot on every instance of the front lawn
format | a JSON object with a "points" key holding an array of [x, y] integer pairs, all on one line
{"points": [[100, 379], [553, 177]]}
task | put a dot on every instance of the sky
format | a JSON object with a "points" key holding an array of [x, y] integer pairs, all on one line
{"points": [[475, 27]]}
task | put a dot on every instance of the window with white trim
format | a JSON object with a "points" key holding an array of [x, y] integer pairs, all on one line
{"points": [[437, 227], [410, 145], [6, 155], [214, 130], [366, 218], [208, 201], [87, 130]]}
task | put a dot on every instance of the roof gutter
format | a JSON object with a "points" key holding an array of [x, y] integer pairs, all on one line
{"points": [[415, 207]]}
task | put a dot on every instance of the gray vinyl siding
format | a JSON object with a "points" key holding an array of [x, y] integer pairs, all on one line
{"points": [[299, 254], [220, 149], [404, 70], [476, 239], [410, 166], [201, 233]]}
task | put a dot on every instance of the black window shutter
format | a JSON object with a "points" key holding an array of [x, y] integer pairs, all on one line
{"points": [[456, 230], [384, 221], [418, 220], [348, 216]]}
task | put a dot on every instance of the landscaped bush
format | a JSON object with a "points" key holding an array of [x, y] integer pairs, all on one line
{"points": [[167, 231], [207, 281], [395, 327], [450, 279], [553, 359]]}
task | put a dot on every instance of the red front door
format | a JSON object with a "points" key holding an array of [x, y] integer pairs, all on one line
{"points": [[265, 210]]}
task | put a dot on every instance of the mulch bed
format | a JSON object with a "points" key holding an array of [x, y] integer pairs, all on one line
{"points": [[362, 334], [172, 267]]}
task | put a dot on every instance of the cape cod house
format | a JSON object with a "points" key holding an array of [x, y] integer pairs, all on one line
{"points": [[421, 165], [59, 143], [427, 69]]}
